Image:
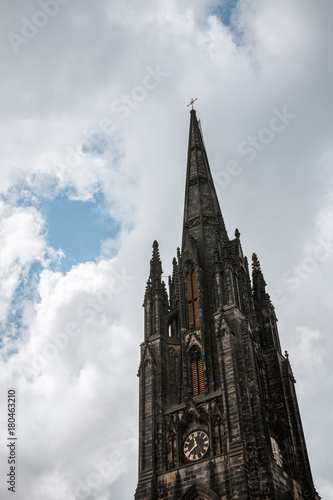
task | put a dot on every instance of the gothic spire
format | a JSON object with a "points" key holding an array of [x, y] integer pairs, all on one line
{"points": [[155, 264], [259, 283], [154, 279], [202, 213]]}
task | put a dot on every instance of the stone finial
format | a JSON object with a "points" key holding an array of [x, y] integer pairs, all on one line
{"points": [[174, 267], [156, 253], [155, 263], [255, 263], [259, 283], [155, 246]]}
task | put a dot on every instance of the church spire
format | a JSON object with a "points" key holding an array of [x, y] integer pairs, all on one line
{"points": [[202, 213], [218, 409]]}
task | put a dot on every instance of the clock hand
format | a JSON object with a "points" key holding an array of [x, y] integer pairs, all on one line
{"points": [[195, 446]]}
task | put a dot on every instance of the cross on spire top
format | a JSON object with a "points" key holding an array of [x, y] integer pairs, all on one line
{"points": [[192, 102]]}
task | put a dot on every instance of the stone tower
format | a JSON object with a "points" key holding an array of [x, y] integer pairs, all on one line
{"points": [[219, 417]]}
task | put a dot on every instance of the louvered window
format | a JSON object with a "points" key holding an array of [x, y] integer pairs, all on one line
{"points": [[192, 298], [277, 452], [198, 386]]}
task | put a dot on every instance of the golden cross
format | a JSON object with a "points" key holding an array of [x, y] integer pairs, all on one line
{"points": [[192, 102]]}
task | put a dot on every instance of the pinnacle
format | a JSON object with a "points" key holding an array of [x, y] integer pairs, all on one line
{"points": [[255, 263], [155, 263], [156, 252]]}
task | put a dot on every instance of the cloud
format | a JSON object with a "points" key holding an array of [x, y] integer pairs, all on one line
{"points": [[76, 340], [22, 241]]}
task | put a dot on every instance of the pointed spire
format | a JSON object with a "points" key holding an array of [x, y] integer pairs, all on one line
{"points": [[155, 264], [154, 280], [174, 268], [148, 292], [259, 283], [287, 370], [202, 213], [173, 284], [255, 263]]}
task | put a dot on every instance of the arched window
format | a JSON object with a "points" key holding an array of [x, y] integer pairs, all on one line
{"points": [[199, 492], [198, 386], [192, 298], [173, 326]]}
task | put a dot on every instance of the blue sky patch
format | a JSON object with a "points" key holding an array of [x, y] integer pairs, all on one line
{"points": [[24, 294], [78, 228], [224, 11]]}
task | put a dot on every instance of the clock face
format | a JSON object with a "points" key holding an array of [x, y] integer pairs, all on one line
{"points": [[196, 445]]}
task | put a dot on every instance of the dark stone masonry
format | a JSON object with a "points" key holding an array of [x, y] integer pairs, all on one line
{"points": [[219, 418]]}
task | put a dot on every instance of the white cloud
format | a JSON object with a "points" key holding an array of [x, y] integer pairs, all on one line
{"points": [[58, 373]]}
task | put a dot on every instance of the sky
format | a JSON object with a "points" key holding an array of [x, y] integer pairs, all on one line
{"points": [[94, 130]]}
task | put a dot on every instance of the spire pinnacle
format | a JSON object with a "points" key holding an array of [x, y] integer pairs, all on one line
{"points": [[255, 262], [259, 283], [155, 264]]}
